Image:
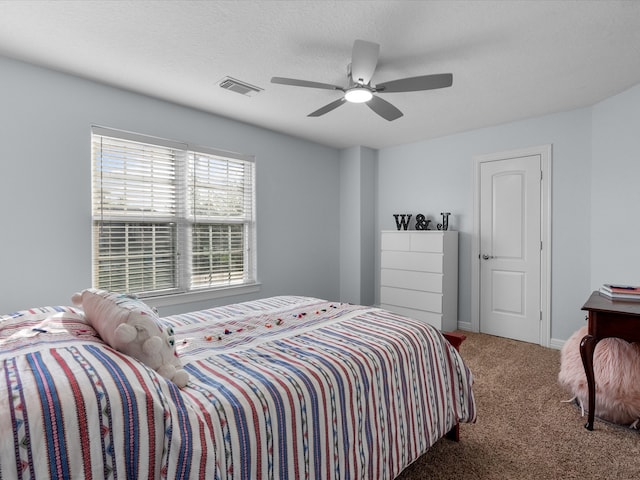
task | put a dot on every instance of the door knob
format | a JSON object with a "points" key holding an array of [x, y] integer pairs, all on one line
{"points": [[487, 257]]}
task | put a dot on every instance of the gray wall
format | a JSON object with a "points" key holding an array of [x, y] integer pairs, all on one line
{"points": [[615, 190], [320, 210], [358, 169], [594, 196], [45, 244]]}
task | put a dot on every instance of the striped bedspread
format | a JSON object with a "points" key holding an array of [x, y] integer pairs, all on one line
{"points": [[285, 387]]}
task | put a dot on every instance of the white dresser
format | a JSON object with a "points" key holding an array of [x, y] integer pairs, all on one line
{"points": [[419, 275]]}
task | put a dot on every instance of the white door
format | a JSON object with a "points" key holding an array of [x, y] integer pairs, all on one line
{"points": [[510, 245]]}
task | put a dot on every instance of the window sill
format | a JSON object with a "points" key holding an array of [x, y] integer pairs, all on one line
{"points": [[200, 296]]}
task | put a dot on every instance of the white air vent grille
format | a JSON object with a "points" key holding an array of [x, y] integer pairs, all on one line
{"points": [[237, 86]]}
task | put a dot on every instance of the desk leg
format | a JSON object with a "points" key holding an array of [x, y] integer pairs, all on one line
{"points": [[587, 347]]}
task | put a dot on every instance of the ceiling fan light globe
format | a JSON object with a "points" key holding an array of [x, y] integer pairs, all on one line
{"points": [[358, 95]]}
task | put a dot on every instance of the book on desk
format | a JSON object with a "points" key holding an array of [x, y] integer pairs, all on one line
{"points": [[620, 292]]}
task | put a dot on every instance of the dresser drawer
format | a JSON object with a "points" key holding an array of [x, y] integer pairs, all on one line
{"points": [[413, 299], [427, 242], [433, 319], [426, 282], [420, 261], [395, 241], [413, 241]]}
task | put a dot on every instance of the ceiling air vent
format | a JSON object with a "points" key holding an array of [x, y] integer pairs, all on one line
{"points": [[237, 86]]}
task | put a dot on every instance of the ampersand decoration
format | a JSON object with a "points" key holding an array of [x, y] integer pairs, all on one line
{"points": [[421, 222]]}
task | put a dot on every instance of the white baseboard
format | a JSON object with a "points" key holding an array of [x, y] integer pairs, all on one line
{"points": [[554, 343], [465, 326]]}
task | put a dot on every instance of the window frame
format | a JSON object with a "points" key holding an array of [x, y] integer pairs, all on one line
{"points": [[184, 291]]}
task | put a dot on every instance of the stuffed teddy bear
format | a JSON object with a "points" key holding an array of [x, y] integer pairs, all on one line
{"points": [[131, 327]]}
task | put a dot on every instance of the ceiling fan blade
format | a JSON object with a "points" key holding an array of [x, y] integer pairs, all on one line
{"points": [[327, 108], [304, 83], [364, 59], [415, 84], [384, 108]]}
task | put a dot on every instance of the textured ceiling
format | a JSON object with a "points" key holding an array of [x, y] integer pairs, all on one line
{"points": [[510, 59]]}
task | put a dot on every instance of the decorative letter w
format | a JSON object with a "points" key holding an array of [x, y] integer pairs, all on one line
{"points": [[403, 222]]}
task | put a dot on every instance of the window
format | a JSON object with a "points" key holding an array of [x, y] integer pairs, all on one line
{"points": [[170, 218]]}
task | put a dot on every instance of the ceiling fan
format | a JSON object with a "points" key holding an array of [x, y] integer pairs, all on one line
{"points": [[364, 59]]}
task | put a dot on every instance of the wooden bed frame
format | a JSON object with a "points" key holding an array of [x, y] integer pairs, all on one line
{"points": [[455, 339]]}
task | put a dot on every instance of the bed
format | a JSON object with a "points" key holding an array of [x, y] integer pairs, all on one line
{"points": [[283, 387]]}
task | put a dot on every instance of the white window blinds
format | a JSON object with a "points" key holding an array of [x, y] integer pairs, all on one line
{"points": [[170, 219], [220, 191]]}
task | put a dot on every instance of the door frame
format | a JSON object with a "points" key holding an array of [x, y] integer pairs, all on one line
{"points": [[545, 152]]}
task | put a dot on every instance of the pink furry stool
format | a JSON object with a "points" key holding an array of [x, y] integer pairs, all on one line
{"points": [[616, 367]]}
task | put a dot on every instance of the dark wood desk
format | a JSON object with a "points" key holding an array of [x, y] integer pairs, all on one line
{"points": [[607, 318]]}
